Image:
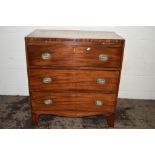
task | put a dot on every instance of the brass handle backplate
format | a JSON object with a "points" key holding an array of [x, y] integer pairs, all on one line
{"points": [[47, 80], [46, 56], [88, 49], [48, 101], [100, 81], [103, 57], [99, 102]]}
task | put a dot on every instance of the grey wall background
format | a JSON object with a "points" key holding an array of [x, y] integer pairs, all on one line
{"points": [[138, 74]]}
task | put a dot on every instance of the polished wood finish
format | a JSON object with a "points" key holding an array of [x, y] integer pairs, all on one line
{"points": [[74, 80], [35, 117], [73, 101], [111, 120], [74, 56], [73, 113], [74, 67]]}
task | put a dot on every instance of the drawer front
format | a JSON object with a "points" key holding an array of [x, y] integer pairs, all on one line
{"points": [[70, 80], [64, 55], [73, 101]]}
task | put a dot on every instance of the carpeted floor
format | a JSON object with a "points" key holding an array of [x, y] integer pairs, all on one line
{"points": [[15, 114]]}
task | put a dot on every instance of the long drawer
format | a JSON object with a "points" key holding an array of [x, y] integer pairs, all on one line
{"points": [[61, 55], [73, 101], [70, 80]]}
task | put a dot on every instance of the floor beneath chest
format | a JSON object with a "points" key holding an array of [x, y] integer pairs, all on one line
{"points": [[15, 113]]}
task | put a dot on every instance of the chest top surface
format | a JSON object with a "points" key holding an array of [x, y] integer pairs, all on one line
{"points": [[74, 34]]}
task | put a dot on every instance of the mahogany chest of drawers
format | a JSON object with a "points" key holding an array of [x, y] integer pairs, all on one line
{"points": [[74, 73]]}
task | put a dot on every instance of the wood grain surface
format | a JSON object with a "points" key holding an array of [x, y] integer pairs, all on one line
{"points": [[75, 56], [79, 80], [73, 101]]}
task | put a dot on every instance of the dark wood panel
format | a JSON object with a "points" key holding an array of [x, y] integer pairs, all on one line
{"points": [[65, 113], [73, 101], [75, 56], [77, 68], [95, 37], [74, 80], [49, 41]]}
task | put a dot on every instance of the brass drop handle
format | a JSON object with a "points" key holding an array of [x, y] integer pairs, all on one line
{"points": [[103, 57], [46, 56], [48, 101], [88, 49], [99, 102], [47, 80], [100, 81]]}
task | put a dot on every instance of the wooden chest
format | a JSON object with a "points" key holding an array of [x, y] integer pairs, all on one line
{"points": [[74, 73]]}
